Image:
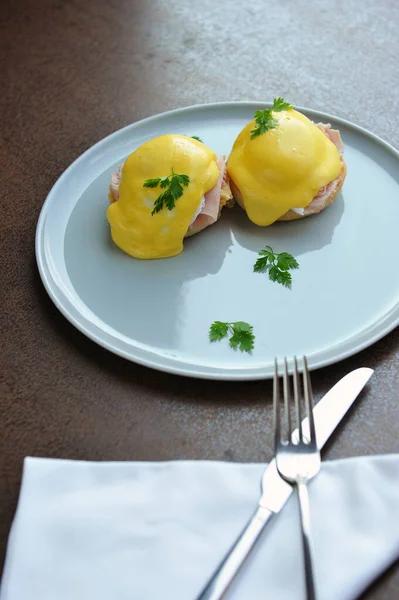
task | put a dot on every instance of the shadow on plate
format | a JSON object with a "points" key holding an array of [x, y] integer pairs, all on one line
{"points": [[297, 237], [143, 300], [146, 301]]}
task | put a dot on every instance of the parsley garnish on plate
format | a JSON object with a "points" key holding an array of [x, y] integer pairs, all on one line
{"points": [[278, 265], [195, 137], [241, 334], [280, 104], [264, 118], [173, 186]]}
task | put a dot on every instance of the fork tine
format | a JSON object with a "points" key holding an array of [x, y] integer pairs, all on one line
{"points": [[296, 399], [307, 386], [298, 463], [287, 401], [276, 405]]}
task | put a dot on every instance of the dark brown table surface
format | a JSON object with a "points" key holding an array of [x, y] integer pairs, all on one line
{"points": [[73, 71]]}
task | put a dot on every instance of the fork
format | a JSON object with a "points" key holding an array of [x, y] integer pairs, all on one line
{"points": [[297, 461]]}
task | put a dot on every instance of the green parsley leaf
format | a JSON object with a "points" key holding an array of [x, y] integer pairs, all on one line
{"points": [[280, 104], [267, 257], [164, 182], [286, 261], [241, 334], [234, 341], [218, 330], [264, 118], [279, 265], [283, 277], [264, 122], [242, 326], [184, 179], [152, 183], [195, 137], [173, 189], [243, 340], [260, 264]]}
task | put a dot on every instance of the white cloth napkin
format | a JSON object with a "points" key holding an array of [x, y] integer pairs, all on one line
{"points": [[156, 531]]}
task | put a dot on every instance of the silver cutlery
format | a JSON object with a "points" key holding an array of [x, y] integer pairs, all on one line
{"points": [[297, 459], [327, 413]]}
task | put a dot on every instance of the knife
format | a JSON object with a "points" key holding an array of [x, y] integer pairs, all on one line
{"points": [[327, 413]]}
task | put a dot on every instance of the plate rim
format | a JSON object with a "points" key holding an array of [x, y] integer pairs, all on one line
{"points": [[192, 370]]}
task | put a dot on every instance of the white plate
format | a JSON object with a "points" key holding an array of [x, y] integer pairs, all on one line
{"points": [[344, 297]]}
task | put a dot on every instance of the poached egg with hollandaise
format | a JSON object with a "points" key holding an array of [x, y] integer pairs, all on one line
{"points": [[283, 166], [171, 187]]}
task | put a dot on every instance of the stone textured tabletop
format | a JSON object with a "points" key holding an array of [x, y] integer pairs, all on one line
{"points": [[74, 71]]}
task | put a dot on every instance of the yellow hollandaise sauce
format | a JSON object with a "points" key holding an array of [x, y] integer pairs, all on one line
{"points": [[133, 228], [283, 168]]}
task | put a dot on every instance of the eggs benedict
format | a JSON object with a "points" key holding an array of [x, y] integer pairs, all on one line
{"points": [[284, 167], [171, 187]]}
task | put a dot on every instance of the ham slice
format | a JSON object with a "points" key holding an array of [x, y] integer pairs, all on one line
{"points": [[212, 205], [115, 183], [324, 193], [333, 135]]}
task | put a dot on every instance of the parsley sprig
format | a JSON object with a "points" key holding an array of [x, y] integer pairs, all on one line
{"points": [[264, 118], [278, 265], [241, 334], [173, 186], [195, 137]]}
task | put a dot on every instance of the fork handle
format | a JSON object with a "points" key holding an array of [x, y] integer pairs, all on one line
{"points": [[306, 539], [227, 570]]}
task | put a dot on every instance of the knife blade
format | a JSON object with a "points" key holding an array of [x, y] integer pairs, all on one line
{"points": [[328, 413]]}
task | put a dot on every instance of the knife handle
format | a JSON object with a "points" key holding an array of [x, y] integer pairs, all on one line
{"points": [[228, 568]]}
